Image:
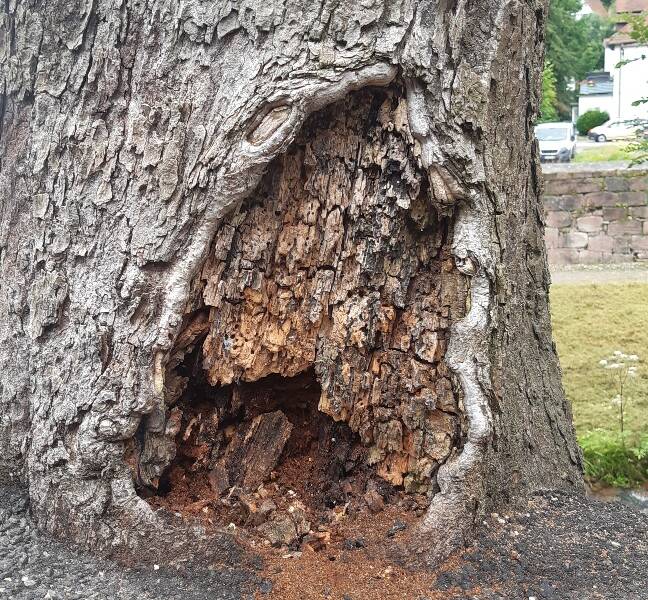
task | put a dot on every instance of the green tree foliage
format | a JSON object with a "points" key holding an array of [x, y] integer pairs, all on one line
{"points": [[548, 110], [590, 119], [574, 47]]}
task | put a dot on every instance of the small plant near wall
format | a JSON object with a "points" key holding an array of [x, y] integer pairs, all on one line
{"points": [[622, 368], [608, 461], [617, 459]]}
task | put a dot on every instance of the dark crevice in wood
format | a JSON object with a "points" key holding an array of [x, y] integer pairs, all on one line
{"points": [[250, 434]]}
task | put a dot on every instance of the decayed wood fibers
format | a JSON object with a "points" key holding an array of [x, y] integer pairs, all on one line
{"points": [[340, 261]]}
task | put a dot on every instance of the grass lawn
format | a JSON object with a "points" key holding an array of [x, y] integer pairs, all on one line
{"points": [[609, 151], [590, 322]]}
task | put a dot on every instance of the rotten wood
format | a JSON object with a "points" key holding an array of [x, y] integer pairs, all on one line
{"points": [[340, 261], [255, 451]]}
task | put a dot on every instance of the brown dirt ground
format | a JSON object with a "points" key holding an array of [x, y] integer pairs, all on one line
{"points": [[560, 547], [351, 553]]}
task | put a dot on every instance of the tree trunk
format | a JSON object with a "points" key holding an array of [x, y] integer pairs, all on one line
{"points": [[208, 203]]}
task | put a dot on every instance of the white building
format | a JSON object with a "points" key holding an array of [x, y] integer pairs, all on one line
{"points": [[631, 79], [616, 88], [596, 92]]}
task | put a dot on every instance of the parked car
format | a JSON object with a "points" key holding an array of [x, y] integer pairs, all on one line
{"points": [[557, 141], [618, 130]]}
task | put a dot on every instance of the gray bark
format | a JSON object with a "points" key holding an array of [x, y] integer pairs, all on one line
{"points": [[132, 130]]}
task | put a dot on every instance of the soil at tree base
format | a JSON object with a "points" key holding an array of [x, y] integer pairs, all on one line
{"points": [[562, 548]]}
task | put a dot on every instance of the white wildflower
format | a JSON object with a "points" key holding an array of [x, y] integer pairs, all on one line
{"points": [[633, 358], [616, 401], [618, 353], [613, 366], [603, 362]]}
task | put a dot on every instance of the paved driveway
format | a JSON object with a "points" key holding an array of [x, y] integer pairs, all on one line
{"points": [[583, 274]]}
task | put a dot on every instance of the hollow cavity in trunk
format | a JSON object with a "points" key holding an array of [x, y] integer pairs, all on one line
{"points": [[313, 353]]}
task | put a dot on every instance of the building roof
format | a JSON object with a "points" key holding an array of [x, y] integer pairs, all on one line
{"points": [[599, 83], [596, 6], [631, 6], [622, 34], [619, 37]]}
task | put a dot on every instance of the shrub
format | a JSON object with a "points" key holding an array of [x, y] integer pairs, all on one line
{"points": [[590, 119], [548, 111], [617, 460]]}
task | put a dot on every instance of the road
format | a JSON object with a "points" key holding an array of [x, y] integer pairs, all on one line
{"points": [[587, 274]]}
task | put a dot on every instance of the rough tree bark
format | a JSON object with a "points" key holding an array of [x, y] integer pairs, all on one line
{"points": [[395, 245]]}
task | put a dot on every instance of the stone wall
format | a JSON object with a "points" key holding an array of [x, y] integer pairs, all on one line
{"points": [[596, 216]]}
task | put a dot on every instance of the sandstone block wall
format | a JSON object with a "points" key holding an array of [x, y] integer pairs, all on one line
{"points": [[595, 216]]}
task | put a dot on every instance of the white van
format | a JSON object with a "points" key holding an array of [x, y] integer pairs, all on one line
{"points": [[557, 141]]}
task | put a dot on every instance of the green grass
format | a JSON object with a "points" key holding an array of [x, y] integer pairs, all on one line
{"points": [[603, 153], [591, 322], [610, 460]]}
